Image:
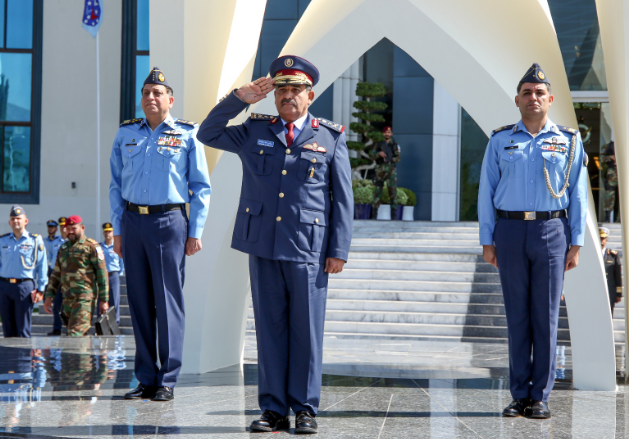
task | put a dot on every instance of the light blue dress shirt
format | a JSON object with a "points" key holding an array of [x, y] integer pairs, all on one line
{"points": [[165, 166], [299, 126], [52, 248], [113, 261], [24, 258], [512, 177]]}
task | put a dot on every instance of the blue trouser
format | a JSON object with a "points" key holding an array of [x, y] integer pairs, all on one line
{"points": [[16, 308], [57, 303], [289, 307], [114, 294], [531, 261], [153, 247]]}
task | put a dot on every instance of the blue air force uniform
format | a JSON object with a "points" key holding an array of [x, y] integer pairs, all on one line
{"points": [[115, 269], [295, 210], [532, 235], [23, 268], [153, 174], [52, 249]]}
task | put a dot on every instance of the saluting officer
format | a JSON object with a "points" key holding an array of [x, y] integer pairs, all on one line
{"points": [[295, 220], [613, 270], [115, 267], [534, 179], [157, 166], [52, 258], [23, 275]]}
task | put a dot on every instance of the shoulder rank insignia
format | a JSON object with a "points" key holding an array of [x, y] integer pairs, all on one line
{"points": [[506, 127], [334, 126], [6, 234], [35, 235], [130, 122], [258, 116], [586, 159], [315, 147], [186, 122], [91, 241], [274, 120], [613, 252], [567, 129]]}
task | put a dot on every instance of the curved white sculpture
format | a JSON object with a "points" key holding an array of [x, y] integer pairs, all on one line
{"points": [[472, 50]]}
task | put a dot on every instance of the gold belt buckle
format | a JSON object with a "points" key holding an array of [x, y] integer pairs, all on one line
{"points": [[144, 210], [529, 216], [12, 281]]}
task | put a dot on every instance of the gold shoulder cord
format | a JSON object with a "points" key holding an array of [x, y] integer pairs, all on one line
{"points": [[34, 259], [566, 182]]}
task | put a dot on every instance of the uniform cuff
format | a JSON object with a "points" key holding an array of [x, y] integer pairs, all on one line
{"points": [[195, 232], [486, 239]]}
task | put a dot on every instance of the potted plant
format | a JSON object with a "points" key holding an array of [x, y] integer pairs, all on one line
{"points": [[409, 207], [363, 196], [384, 211]]}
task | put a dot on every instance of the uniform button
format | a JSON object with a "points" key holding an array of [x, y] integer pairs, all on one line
{"points": [[531, 181], [281, 194], [511, 158], [287, 151], [144, 190], [316, 220], [261, 151], [149, 155], [530, 204], [314, 160], [279, 218], [146, 172], [247, 209], [284, 172], [533, 159]]}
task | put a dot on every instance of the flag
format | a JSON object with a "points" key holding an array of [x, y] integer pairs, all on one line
{"points": [[92, 16]]}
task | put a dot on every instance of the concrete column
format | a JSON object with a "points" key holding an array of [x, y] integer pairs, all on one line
{"points": [[446, 156], [345, 96]]}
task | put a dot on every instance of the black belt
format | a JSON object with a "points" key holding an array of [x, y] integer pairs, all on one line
{"points": [[532, 215], [160, 208], [14, 281]]}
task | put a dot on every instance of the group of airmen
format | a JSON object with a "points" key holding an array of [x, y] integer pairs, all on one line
{"points": [[70, 272], [294, 219]]}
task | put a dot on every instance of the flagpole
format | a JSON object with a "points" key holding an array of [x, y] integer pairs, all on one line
{"points": [[97, 135]]}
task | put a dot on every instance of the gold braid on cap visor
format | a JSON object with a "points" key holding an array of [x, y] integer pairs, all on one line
{"points": [[292, 79]]}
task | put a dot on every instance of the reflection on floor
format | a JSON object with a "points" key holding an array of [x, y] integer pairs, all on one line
{"points": [[54, 387]]}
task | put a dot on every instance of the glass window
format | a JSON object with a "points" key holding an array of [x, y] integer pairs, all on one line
{"points": [[143, 25], [473, 145], [19, 24], [15, 86], [142, 67], [16, 160], [1, 23], [135, 57]]}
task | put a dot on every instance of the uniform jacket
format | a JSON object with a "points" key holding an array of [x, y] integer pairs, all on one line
{"points": [[80, 269], [613, 272], [296, 204]]}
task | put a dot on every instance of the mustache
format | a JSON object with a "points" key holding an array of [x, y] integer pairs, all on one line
{"points": [[289, 101]]}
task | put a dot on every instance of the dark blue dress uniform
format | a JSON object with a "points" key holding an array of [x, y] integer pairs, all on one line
{"points": [[153, 174], [537, 187], [23, 268], [295, 210]]}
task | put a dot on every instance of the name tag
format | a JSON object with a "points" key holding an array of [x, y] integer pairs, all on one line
{"points": [[512, 147], [265, 143]]}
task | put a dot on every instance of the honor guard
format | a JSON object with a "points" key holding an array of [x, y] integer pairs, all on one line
{"points": [[81, 274], [534, 182], [23, 275], [613, 270], [115, 267], [157, 166], [294, 220]]}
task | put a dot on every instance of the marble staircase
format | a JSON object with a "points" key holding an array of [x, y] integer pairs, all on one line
{"points": [[423, 280]]}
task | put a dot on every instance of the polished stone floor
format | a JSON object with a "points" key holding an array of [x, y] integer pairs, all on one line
{"points": [[52, 387]]}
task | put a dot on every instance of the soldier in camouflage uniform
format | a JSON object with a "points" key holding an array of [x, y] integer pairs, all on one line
{"points": [[611, 181], [80, 269], [386, 154]]}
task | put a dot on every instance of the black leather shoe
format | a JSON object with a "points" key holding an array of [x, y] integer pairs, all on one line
{"points": [[141, 392], [517, 408], [164, 394], [539, 410], [305, 423], [55, 332], [270, 421]]}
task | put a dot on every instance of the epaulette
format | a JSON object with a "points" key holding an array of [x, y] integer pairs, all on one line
{"points": [[6, 234], [567, 129], [333, 126], [614, 252], [91, 241], [130, 122], [186, 122], [258, 116], [506, 127]]}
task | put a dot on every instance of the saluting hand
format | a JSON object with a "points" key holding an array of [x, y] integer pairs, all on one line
{"points": [[255, 91]]}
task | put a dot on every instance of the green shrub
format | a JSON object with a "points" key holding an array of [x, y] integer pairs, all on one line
{"points": [[401, 196], [362, 183], [411, 197], [363, 195]]}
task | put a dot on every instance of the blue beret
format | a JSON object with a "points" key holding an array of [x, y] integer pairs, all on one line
{"points": [[535, 74], [17, 210], [290, 69], [156, 77], [52, 223]]}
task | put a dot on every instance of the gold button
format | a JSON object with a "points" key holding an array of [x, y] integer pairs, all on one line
{"points": [[261, 151], [314, 160], [247, 209], [554, 154], [316, 220], [281, 194], [287, 151], [284, 172], [279, 218]]}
